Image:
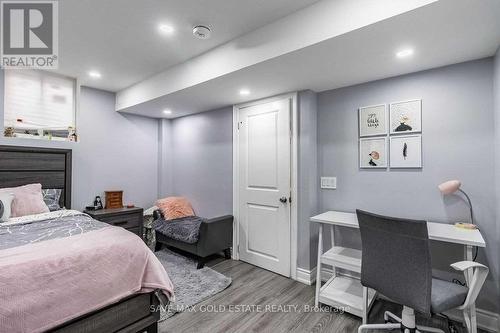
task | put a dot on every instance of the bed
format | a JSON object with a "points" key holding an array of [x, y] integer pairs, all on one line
{"points": [[89, 251]]}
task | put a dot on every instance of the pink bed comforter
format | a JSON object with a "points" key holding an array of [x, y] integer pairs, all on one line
{"points": [[43, 285]]}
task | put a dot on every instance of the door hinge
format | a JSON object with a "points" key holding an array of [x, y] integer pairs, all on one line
{"points": [[240, 123]]}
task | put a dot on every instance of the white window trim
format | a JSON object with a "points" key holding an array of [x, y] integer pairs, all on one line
{"points": [[36, 140]]}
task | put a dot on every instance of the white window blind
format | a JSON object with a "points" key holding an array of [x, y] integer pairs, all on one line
{"points": [[38, 100]]}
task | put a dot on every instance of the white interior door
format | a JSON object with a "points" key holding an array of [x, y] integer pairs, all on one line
{"points": [[264, 185]]}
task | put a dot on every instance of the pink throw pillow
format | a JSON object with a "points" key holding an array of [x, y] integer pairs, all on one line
{"points": [[28, 200], [175, 207]]}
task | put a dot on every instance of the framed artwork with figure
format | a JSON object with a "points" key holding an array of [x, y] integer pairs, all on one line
{"points": [[406, 117], [372, 120], [373, 153]]}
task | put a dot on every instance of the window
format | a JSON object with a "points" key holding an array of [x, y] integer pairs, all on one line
{"points": [[39, 104]]}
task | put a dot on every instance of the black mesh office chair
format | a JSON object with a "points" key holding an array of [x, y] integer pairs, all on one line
{"points": [[396, 262]]}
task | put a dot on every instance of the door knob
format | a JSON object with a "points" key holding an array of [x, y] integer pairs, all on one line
{"points": [[283, 199]]}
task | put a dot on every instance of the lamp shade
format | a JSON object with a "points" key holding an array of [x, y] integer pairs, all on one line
{"points": [[449, 187]]}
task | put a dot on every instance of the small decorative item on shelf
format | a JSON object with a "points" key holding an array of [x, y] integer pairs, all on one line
{"points": [[72, 134], [468, 226], [130, 205], [98, 203], [114, 199], [9, 132]]}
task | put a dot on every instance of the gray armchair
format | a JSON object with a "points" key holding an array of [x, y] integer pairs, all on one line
{"points": [[215, 235]]}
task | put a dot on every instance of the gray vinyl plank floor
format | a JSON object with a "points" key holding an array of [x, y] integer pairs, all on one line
{"points": [[261, 301]]}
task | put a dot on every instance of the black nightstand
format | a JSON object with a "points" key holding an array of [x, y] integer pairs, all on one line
{"points": [[128, 218]]}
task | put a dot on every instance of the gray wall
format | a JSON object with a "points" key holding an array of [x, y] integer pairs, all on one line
{"points": [[201, 167], [458, 143], [307, 178], [165, 159], [114, 151]]}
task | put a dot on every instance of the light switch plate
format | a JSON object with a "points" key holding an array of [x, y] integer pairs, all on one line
{"points": [[329, 183]]}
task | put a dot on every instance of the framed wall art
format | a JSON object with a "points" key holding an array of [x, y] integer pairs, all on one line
{"points": [[406, 117], [372, 120], [373, 153], [406, 151]]}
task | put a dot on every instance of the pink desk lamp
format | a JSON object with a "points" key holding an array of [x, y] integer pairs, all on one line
{"points": [[451, 187]]}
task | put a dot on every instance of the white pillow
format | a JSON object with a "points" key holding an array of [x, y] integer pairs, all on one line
{"points": [[6, 199]]}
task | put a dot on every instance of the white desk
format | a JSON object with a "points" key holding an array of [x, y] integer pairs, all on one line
{"points": [[346, 291]]}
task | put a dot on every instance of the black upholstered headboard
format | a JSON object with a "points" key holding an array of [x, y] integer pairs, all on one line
{"points": [[28, 165]]}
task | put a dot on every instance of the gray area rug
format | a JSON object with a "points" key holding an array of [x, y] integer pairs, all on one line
{"points": [[191, 285]]}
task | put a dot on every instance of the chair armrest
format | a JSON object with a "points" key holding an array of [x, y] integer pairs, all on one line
{"points": [[216, 234], [157, 214], [478, 277], [463, 265]]}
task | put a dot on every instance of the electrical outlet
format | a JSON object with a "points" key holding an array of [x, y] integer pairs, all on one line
{"points": [[329, 183]]}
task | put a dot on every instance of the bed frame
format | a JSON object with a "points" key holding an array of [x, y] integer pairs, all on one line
{"points": [[28, 165], [52, 168]]}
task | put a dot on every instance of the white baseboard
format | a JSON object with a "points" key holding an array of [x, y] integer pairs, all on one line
{"points": [[309, 276], [306, 276], [486, 320]]}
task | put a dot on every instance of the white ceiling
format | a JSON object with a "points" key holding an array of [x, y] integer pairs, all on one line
{"points": [[120, 39], [316, 23], [442, 33]]}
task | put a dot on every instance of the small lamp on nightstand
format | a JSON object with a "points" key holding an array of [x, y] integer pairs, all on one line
{"points": [[451, 187]]}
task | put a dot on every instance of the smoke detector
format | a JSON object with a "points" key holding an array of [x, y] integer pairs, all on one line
{"points": [[202, 32]]}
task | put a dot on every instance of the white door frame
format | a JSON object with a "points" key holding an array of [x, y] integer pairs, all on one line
{"points": [[293, 181]]}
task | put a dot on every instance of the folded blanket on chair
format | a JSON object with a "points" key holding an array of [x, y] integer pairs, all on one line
{"points": [[184, 229]]}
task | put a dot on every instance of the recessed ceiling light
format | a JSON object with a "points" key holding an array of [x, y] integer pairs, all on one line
{"points": [[404, 53], [95, 74], [244, 92], [165, 28], [167, 111]]}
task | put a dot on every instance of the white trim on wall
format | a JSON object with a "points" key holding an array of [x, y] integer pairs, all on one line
{"points": [[293, 181], [486, 320], [236, 158], [294, 213], [306, 276]]}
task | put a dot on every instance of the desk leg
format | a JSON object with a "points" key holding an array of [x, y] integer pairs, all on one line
{"points": [[318, 265], [332, 239], [468, 278]]}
